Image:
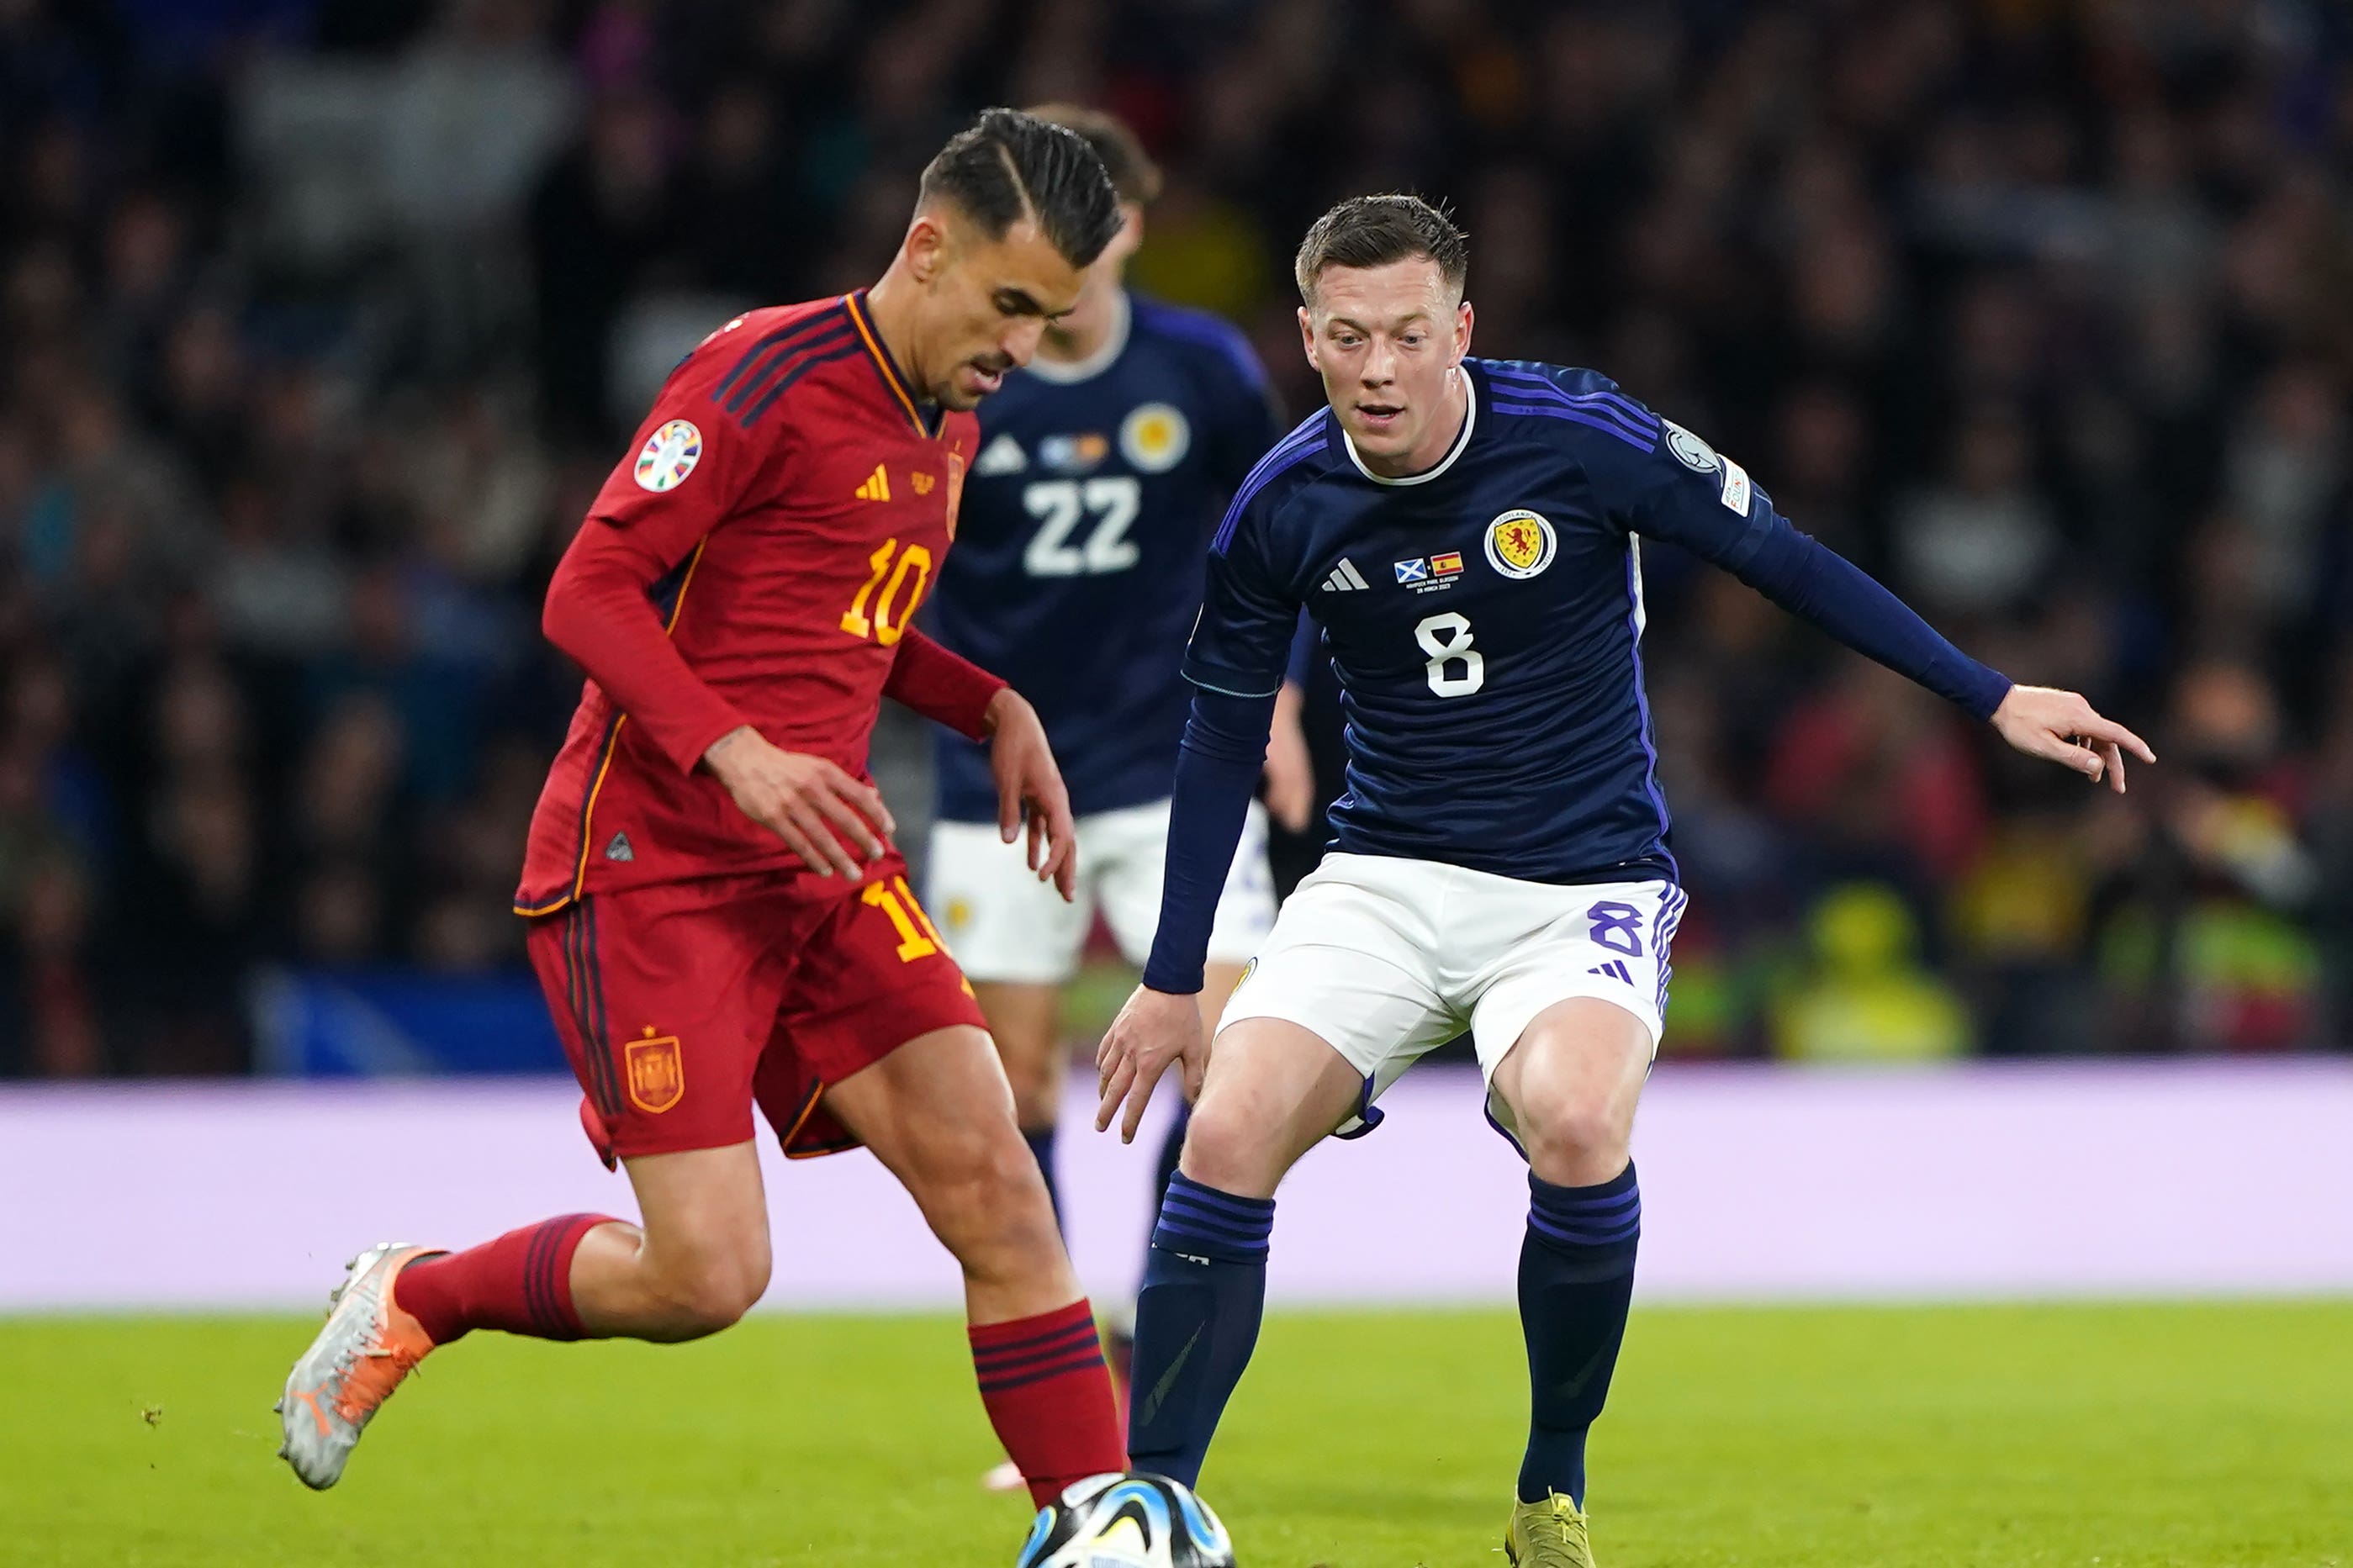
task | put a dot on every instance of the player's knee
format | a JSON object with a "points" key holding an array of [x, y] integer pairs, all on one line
{"points": [[1224, 1149], [1573, 1140], [706, 1294], [983, 1195]]}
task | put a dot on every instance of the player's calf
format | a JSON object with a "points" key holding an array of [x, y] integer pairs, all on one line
{"points": [[937, 1113], [1570, 1083], [699, 1263], [1273, 1090], [986, 1199]]}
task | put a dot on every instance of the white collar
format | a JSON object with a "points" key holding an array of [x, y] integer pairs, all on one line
{"points": [[1470, 418], [1066, 373]]}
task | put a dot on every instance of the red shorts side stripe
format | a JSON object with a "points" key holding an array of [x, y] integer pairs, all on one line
{"points": [[591, 984], [587, 1005]]}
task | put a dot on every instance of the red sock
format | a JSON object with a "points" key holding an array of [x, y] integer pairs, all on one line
{"points": [[1048, 1397], [522, 1283]]}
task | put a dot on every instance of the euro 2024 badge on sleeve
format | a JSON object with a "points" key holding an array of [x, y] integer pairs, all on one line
{"points": [[669, 455], [1520, 543]]}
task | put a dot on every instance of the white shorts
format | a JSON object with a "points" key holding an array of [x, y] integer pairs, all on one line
{"points": [[1388, 959], [1003, 924]]}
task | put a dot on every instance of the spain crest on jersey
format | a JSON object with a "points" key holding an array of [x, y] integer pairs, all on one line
{"points": [[1520, 543], [656, 1072]]}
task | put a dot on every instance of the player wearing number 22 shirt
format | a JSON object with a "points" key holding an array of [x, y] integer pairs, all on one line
{"points": [[1468, 532], [717, 915]]}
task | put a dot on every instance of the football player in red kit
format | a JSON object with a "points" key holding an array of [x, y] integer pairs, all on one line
{"points": [[717, 915]]}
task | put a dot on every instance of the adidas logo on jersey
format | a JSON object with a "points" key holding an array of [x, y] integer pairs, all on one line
{"points": [[1614, 969], [1344, 578], [1002, 455], [618, 850], [877, 486]]}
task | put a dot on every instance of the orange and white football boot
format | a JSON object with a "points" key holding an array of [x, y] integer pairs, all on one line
{"points": [[368, 1346]]}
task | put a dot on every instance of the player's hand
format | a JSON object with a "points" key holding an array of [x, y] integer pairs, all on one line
{"points": [[809, 802], [2043, 722], [1030, 784], [1154, 1029], [1290, 771]]}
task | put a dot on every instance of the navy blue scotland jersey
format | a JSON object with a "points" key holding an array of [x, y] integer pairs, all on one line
{"points": [[1486, 618], [1079, 558]]}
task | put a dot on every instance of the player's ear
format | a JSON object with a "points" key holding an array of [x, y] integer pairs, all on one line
{"points": [[1307, 339], [1462, 318], [927, 246], [1130, 238]]}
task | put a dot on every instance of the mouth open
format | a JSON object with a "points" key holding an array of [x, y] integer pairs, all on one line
{"points": [[985, 381], [1379, 417]]}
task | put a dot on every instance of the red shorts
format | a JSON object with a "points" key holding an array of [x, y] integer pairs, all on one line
{"points": [[682, 1003]]}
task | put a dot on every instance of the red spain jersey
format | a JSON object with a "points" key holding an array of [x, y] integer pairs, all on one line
{"points": [[754, 560]]}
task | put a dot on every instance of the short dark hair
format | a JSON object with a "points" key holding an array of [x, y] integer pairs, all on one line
{"points": [[1008, 165], [1133, 172], [1373, 231]]}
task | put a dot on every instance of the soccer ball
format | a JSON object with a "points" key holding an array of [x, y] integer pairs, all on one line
{"points": [[1133, 1521]]}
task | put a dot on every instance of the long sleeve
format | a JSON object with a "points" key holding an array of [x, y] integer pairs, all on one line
{"points": [[602, 611], [1809, 579], [1663, 482], [1217, 773], [617, 595], [942, 686]]}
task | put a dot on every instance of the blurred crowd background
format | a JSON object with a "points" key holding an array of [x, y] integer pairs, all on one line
{"points": [[322, 320]]}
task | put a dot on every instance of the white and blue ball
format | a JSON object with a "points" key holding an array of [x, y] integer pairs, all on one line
{"points": [[1133, 1521]]}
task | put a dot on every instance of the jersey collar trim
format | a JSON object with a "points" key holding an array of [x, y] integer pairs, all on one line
{"points": [[888, 368], [1069, 373], [1461, 442]]}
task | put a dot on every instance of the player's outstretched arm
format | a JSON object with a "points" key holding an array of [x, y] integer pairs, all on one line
{"points": [[2061, 726], [1030, 786], [808, 802]]}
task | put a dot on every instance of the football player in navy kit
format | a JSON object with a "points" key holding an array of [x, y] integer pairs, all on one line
{"points": [[1468, 533]]}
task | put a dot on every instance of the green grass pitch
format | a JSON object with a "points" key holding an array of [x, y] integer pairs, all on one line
{"points": [[2213, 1434]]}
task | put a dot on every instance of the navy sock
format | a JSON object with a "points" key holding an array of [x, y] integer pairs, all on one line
{"points": [[1041, 1143], [1576, 1276], [1195, 1322]]}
